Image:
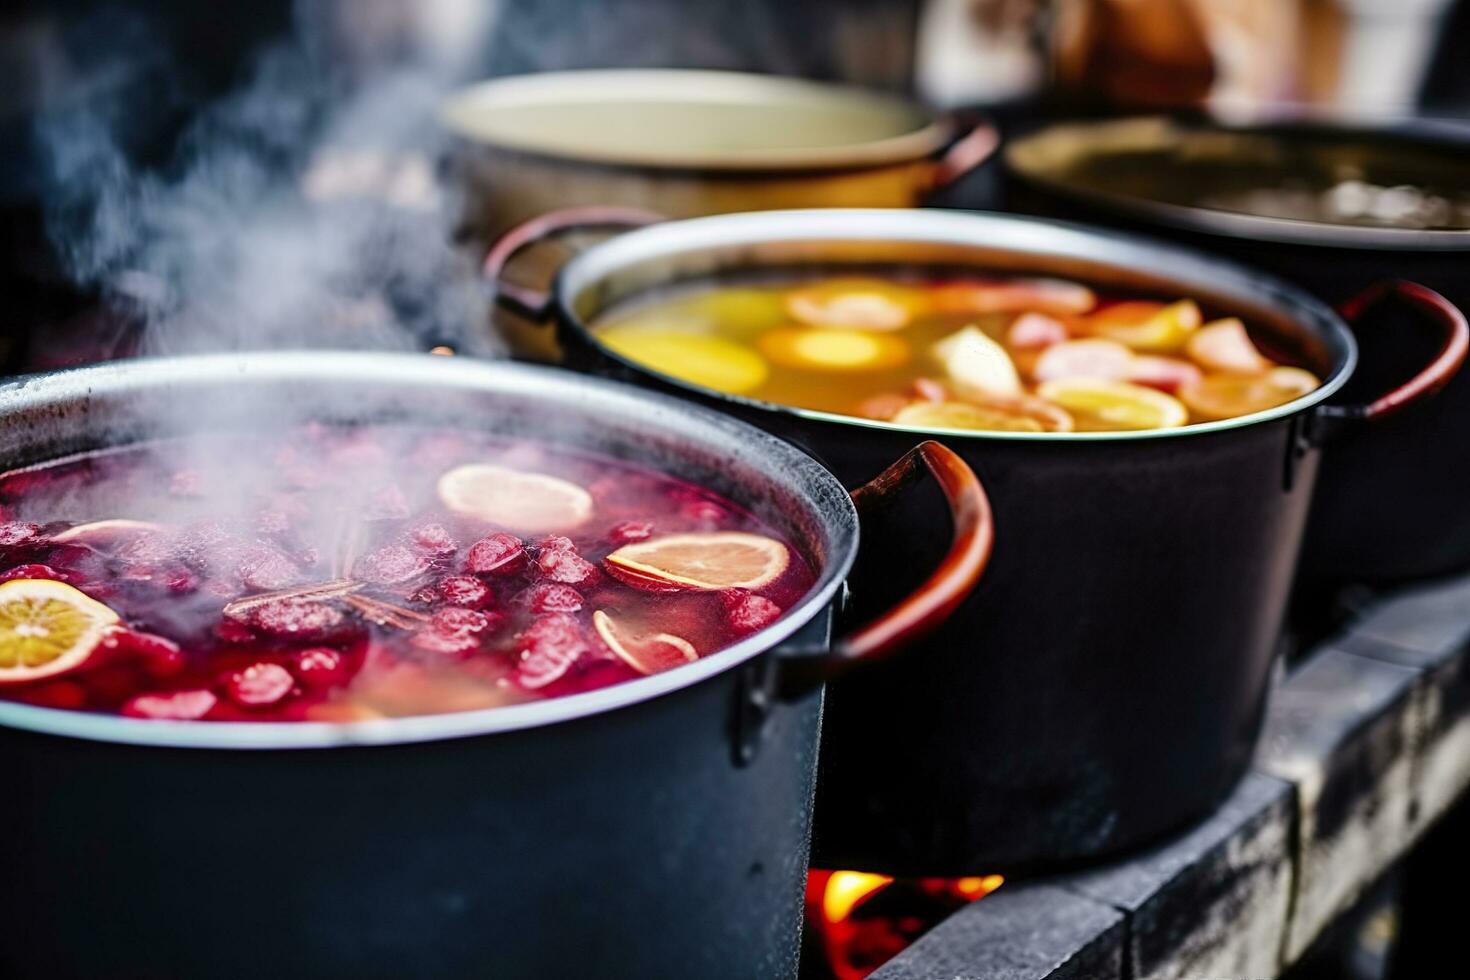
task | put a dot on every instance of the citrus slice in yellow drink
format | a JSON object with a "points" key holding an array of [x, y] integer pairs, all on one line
{"points": [[47, 628], [963, 415], [702, 359], [1148, 326], [648, 654], [1225, 396], [706, 562], [855, 304], [528, 503], [813, 349], [1098, 405]]}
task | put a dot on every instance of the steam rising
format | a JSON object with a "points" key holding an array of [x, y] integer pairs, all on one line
{"points": [[303, 210]]}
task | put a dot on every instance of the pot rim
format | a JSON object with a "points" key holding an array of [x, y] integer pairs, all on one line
{"points": [[933, 226], [695, 86], [122, 378], [1233, 224]]}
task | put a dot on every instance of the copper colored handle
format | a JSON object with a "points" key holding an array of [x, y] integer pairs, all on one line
{"points": [[1435, 375], [536, 303], [933, 602], [965, 154]]}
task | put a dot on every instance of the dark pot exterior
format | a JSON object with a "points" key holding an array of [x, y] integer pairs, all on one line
{"points": [[622, 832], [1106, 683], [1390, 504]]}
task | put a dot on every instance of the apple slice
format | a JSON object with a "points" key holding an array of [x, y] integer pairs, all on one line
{"points": [[976, 366], [1224, 345]]}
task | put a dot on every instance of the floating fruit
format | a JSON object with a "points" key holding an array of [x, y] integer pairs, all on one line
{"points": [[812, 349], [1224, 345], [1098, 405], [701, 359], [1224, 396], [104, 532], [977, 367], [1105, 360], [1148, 326], [530, 503], [1167, 374], [1035, 331], [708, 562], [854, 304], [1056, 297], [963, 415], [648, 654], [48, 628]]}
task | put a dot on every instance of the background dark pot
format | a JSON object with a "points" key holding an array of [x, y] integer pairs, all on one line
{"points": [[1390, 505], [655, 828], [1105, 684]]}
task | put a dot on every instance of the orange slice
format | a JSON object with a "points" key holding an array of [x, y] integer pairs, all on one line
{"points": [[1147, 326], [651, 654], [1227, 396], [963, 415], [708, 562], [529, 503], [1099, 406], [104, 532], [47, 628], [812, 349], [1226, 346], [854, 304]]}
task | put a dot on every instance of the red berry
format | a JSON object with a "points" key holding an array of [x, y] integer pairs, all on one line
{"points": [[230, 631], [298, 620], [161, 656], [391, 564], [433, 539], [626, 532], [460, 621], [321, 667], [259, 685], [13, 533], [548, 597], [465, 590], [175, 706], [34, 571], [434, 641], [548, 648], [565, 566], [747, 613], [496, 554], [264, 568]]}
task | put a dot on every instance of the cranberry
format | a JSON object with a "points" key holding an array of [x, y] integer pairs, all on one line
{"points": [[460, 621], [301, 620], [747, 613], [264, 568], [496, 554], [465, 590], [434, 641], [161, 656], [548, 648], [230, 631], [34, 571], [175, 706], [433, 539], [321, 667], [391, 564], [626, 532], [259, 685], [13, 533], [564, 565], [550, 597]]}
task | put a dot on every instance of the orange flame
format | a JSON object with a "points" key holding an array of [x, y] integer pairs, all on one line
{"points": [[846, 890]]}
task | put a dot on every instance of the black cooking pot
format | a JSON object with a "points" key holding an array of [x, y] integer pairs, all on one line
{"points": [[1106, 684], [656, 828], [1390, 506]]}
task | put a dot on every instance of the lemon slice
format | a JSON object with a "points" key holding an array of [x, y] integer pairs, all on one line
{"points": [[528, 503], [854, 304], [713, 362], [1227, 396], [651, 654], [1098, 405], [963, 415], [1148, 327], [47, 628], [832, 350], [707, 562]]}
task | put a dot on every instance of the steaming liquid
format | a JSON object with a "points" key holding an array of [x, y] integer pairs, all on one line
{"points": [[422, 620]]}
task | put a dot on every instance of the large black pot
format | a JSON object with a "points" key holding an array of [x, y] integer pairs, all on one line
{"points": [[1106, 683], [1390, 506], [657, 828]]}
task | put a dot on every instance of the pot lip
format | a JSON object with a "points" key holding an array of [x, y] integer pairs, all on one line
{"points": [[698, 85], [121, 378], [924, 225], [1240, 225]]}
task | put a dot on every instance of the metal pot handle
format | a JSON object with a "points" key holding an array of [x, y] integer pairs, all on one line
{"points": [[928, 606], [1433, 377], [966, 153], [536, 303]]}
